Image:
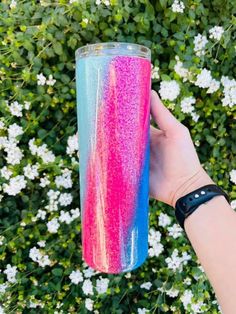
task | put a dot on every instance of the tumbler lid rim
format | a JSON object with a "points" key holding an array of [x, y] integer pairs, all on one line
{"points": [[128, 48]]}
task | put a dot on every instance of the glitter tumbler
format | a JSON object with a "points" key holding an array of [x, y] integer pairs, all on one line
{"points": [[113, 84]]}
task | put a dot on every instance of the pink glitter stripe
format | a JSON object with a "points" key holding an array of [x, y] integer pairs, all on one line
{"points": [[115, 164]]}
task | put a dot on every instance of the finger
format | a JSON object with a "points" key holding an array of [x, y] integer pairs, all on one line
{"points": [[161, 115], [155, 131]]}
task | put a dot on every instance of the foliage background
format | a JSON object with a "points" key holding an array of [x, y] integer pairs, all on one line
{"points": [[41, 37]]}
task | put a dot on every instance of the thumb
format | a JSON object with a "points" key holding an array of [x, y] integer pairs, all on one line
{"points": [[161, 115]]}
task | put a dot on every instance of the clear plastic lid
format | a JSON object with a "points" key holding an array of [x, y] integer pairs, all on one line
{"points": [[113, 48]]}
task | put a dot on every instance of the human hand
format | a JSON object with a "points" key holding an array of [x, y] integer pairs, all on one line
{"points": [[175, 169]]}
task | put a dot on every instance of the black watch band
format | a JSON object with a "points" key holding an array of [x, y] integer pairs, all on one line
{"points": [[187, 204]]}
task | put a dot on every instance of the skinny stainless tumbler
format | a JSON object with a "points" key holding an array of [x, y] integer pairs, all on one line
{"points": [[113, 84]]}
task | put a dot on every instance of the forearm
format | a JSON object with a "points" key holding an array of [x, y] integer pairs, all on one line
{"points": [[211, 230]]}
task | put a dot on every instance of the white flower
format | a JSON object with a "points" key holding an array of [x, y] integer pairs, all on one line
{"points": [[27, 105], [14, 154], [172, 292], [34, 304], [88, 272], [102, 285], [106, 2], [175, 231], [87, 287], [200, 42], [155, 247], [169, 90], [11, 272], [65, 217], [32, 147], [2, 310], [214, 86], [46, 155], [174, 262], [178, 6], [31, 171], [15, 185], [163, 220], [2, 125], [205, 80], [6, 173], [3, 288], [85, 20], [229, 91], [41, 214], [41, 79], [15, 109], [37, 256], [181, 70], [187, 281], [185, 258], [65, 199], [14, 130], [41, 243], [64, 180], [13, 4], [216, 32], [53, 203], [76, 276], [146, 285], [53, 225], [72, 144], [50, 81], [128, 275], [187, 104], [2, 238], [232, 175], [155, 72], [89, 304], [197, 307], [41, 151], [142, 311], [195, 116], [186, 298], [233, 204], [75, 213], [44, 181]]}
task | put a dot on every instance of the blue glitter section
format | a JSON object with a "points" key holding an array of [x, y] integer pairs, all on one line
{"points": [[140, 223]]}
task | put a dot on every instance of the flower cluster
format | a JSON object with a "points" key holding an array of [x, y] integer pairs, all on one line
{"points": [[42, 80], [169, 90], [155, 246], [178, 6], [176, 262]]}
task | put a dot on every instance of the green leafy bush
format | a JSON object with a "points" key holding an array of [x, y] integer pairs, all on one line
{"points": [[40, 243]]}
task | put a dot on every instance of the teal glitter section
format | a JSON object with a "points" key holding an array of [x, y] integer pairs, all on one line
{"points": [[90, 72]]}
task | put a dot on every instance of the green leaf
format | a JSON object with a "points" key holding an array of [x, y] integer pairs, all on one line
{"points": [[57, 47], [57, 272]]}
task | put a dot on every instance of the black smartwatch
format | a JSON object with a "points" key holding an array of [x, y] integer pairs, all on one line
{"points": [[187, 204]]}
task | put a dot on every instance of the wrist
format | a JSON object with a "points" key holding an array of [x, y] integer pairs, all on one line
{"points": [[199, 179]]}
